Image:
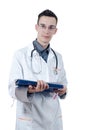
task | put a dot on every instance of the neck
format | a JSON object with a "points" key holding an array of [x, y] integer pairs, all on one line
{"points": [[43, 44]]}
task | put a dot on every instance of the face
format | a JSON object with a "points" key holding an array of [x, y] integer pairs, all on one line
{"points": [[46, 28]]}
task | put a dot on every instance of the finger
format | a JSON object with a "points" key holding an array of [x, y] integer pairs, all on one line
{"points": [[46, 86], [38, 84], [43, 85], [56, 90], [31, 89]]}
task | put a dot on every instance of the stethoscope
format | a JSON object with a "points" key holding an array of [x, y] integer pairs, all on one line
{"points": [[37, 72]]}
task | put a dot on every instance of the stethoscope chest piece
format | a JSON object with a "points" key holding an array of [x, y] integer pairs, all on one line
{"points": [[55, 71]]}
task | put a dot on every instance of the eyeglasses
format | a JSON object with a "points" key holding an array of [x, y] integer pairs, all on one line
{"points": [[50, 28]]}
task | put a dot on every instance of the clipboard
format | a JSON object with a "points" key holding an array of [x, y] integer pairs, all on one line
{"points": [[26, 83]]}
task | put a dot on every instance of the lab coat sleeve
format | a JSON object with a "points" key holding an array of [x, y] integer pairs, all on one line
{"points": [[17, 73], [62, 79], [22, 95]]}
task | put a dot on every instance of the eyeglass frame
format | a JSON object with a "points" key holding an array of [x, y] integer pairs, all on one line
{"points": [[50, 28]]}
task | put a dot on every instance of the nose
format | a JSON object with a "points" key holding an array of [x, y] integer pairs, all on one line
{"points": [[47, 30]]}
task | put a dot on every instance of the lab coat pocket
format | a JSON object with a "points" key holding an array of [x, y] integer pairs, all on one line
{"points": [[24, 123]]}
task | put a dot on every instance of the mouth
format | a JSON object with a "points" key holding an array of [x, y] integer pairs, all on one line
{"points": [[46, 37]]}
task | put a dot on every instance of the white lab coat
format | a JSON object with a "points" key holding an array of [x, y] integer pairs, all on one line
{"points": [[38, 111]]}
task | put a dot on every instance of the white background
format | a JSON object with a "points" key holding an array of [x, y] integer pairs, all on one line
{"points": [[17, 29]]}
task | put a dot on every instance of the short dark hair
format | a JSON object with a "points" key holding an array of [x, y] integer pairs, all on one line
{"points": [[49, 13]]}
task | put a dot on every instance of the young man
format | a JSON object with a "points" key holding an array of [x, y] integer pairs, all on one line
{"points": [[38, 108]]}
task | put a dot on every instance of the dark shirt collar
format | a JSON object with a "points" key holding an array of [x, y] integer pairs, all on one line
{"points": [[43, 52], [39, 48]]}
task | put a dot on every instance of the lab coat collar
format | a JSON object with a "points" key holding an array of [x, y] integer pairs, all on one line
{"points": [[31, 47]]}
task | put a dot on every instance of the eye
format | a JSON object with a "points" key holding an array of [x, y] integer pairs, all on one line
{"points": [[42, 25], [51, 27]]}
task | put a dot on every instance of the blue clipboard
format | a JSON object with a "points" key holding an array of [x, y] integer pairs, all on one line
{"points": [[26, 83]]}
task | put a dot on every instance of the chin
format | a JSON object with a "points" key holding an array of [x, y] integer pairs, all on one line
{"points": [[46, 41], [45, 44]]}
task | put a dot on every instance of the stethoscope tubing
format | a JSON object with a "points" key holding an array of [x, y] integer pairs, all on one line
{"points": [[53, 53]]}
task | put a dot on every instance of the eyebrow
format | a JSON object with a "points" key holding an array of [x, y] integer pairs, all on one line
{"points": [[45, 24]]}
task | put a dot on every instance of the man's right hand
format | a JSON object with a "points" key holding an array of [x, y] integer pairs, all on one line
{"points": [[41, 86]]}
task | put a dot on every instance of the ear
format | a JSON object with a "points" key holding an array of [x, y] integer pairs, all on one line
{"points": [[56, 31], [36, 27]]}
